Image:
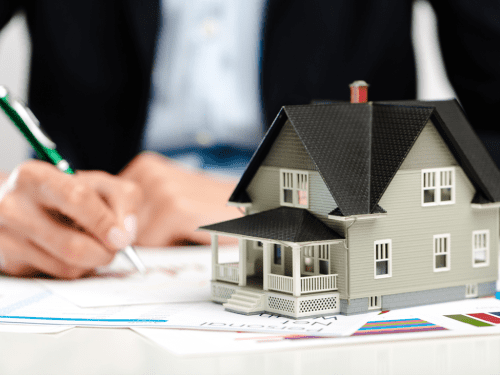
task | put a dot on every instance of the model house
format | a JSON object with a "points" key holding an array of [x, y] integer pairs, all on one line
{"points": [[358, 206]]}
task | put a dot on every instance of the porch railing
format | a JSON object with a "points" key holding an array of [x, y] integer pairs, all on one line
{"points": [[281, 283], [308, 284], [320, 283], [228, 272]]}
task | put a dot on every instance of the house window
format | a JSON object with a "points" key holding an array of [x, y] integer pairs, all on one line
{"points": [[294, 186], [278, 254], [383, 258], [471, 290], [480, 248], [374, 302], [441, 252], [438, 186], [316, 260]]}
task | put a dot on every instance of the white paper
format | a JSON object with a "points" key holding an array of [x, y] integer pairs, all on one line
{"points": [[203, 341], [33, 328], [44, 307], [174, 275], [212, 316]]}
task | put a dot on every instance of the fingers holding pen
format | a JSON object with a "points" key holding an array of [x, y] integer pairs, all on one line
{"points": [[44, 230], [20, 257], [75, 197], [122, 196]]}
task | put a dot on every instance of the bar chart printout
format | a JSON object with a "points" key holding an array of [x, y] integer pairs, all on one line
{"points": [[397, 326], [478, 319]]}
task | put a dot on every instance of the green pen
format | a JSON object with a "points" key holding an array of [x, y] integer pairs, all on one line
{"points": [[45, 148]]}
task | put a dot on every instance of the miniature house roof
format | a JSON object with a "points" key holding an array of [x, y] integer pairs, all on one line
{"points": [[282, 224], [358, 148]]}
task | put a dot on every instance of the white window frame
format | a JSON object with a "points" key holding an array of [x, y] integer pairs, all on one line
{"points": [[317, 253], [476, 236], [435, 179], [379, 256], [295, 180], [471, 290], [437, 240], [374, 302]]}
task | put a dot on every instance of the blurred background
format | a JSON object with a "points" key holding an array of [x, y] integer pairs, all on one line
{"points": [[15, 51]]}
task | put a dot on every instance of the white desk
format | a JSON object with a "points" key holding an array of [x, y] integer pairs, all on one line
{"points": [[121, 351]]}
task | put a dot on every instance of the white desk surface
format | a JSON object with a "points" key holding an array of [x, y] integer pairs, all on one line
{"points": [[122, 351]]}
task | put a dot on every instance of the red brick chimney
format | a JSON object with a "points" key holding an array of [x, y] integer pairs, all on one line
{"points": [[359, 92]]}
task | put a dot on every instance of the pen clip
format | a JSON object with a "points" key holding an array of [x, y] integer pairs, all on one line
{"points": [[33, 124]]}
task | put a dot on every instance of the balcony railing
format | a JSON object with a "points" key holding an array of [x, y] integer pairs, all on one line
{"points": [[228, 272]]}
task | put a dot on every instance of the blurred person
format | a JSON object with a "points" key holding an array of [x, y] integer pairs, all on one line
{"points": [[90, 87]]}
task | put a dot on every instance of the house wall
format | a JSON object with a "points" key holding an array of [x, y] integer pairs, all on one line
{"points": [[338, 265], [429, 151], [411, 228], [288, 151], [264, 191]]}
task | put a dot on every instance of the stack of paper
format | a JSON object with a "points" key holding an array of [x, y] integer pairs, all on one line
{"points": [[175, 294]]}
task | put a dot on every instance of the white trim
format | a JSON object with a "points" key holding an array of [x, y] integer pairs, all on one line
{"points": [[296, 181], [379, 256], [471, 290], [237, 204], [242, 263], [486, 247], [485, 205], [357, 217], [436, 179], [285, 243], [447, 251], [374, 302], [214, 244]]}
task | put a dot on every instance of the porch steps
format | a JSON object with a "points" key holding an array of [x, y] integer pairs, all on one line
{"points": [[245, 302]]}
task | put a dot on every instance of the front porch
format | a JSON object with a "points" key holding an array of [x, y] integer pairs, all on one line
{"points": [[250, 300], [296, 285]]}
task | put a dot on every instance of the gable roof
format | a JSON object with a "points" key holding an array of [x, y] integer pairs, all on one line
{"points": [[358, 148], [283, 224]]}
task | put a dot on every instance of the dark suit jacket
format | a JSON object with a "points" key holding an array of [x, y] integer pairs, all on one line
{"points": [[92, 62]]}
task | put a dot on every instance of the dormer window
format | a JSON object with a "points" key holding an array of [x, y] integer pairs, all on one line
{"points": [[294, 188], [438, 186]]}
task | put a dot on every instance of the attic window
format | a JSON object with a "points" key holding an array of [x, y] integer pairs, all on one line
{"points": [[438, 186], [294, 188]]}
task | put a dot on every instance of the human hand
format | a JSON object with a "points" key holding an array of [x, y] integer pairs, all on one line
{"points": [[63, 225], [177, 201]]}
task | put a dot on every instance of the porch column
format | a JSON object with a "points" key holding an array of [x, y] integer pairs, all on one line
{"points": [[215, 254], [296, 271], [266, 264], [242, 265]]}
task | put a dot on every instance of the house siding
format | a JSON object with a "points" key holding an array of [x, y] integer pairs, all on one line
{"points": [[411, 228], [429, 151], [264, 191], [338, 265], [288, 151]]}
